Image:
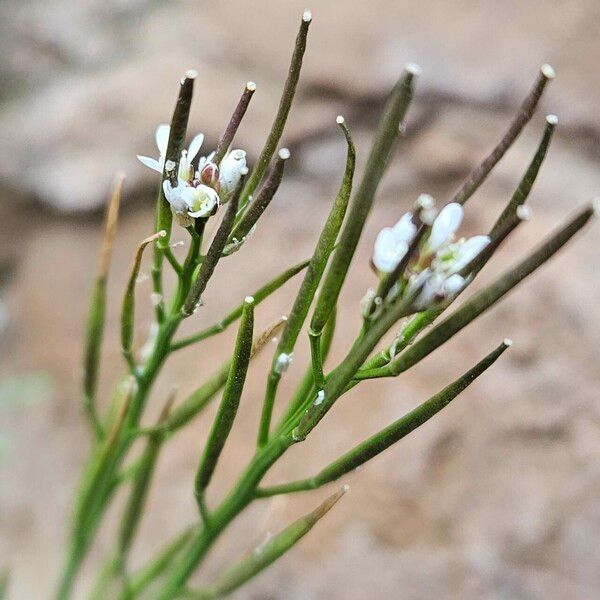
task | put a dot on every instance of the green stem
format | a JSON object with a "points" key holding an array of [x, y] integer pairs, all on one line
{"points": [[156, 567], [362, 201], [479, 174], [230, 402], [289, 90], [323, 250], [99, 483], [524, 188], [265, 554], [391, 434], [306, 389], [259, 295], [316, 359], [241, 495]]}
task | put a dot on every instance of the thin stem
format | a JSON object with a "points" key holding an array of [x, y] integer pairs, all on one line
{"points": [[212, 257], [316, 359], [230, 402], [323, 249], [139, 490], [289, 90], [196, 401], [267, 553], [307, 389], [95, 489], [236, 313], [524, 188], [388, 436], [203, 508], [96, 313], [342, 375], [250, 215], [156, 567], [234, 123], [172, 260], [478, 175], [128, 305], [240, 496], [164, 216], [362, 201]]}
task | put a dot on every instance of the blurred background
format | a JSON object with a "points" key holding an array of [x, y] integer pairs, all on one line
{"points": [[495, 498]]}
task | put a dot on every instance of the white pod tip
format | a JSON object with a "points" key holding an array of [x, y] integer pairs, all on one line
{"points": [[413, 69], [524, 212], [548, 71]]}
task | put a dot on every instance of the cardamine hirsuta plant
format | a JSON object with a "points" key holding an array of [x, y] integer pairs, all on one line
{"points": [[420, 264]]}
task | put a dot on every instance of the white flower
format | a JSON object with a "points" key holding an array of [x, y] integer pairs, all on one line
{"points": [[442, 281], [201, 201], [187, 156], [192, 201], [230, 172], [392, 244], [444, 227], [437, 287], [452, 258]]}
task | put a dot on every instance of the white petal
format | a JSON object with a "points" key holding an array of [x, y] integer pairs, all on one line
{"points": [[445, 226], [428, 292], [162, 138], [194, 147], [188, 195], [405, 229], [231, 171], [154, 164], [205, 211], [201, 201], [468, 251], [174, 196], [453, 284], [388, 251], [416, 282]]}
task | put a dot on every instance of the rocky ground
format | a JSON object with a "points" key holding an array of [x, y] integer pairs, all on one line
{"points": [[496, 498]]}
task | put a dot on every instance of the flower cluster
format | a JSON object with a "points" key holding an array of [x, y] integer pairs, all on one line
{"points": [[434, 270], [198, 192]]}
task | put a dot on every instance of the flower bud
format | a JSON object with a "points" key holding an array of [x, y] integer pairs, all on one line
{"points": [[392, 244], [232, 169], [209, 174], [444, 227]]}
